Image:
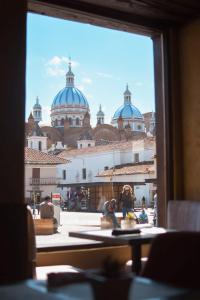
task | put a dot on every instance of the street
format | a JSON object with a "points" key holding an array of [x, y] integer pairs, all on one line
{"points": [[75, 221]]}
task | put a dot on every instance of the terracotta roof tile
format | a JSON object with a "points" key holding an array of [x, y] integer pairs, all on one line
{"points": [[37, 157], [129, 170], [109, 147]]}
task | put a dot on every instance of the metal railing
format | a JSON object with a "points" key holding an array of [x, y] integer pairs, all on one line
{"points": [[45, 181]]}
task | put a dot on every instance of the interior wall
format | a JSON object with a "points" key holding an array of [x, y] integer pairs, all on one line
{"points": [[12, 97], [87, 258], [190, 98]]}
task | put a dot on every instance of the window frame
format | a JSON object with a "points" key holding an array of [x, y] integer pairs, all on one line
{"points": [[100, 16]]}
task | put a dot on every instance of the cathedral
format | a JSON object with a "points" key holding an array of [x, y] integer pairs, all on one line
{"points": [[70, 122]]}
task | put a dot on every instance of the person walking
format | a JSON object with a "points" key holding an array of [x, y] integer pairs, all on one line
{"points": [[127, 200]]}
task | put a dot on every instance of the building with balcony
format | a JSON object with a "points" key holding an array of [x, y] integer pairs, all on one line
{"points": [[40, 174]]}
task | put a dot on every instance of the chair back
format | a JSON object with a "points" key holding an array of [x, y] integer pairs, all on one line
{"points": [[184, 215], [174, 259]]}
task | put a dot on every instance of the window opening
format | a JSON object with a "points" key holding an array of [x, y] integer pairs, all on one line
{"points": [[84, 173], [64, 174], [79, 110]]}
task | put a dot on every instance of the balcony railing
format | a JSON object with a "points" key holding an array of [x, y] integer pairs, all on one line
{"points": [[45, 181]]}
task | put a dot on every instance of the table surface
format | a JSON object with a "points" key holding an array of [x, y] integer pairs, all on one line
{"points": [[141, 288], [105, 235]]}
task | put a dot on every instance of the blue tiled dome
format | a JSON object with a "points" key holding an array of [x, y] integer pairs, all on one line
{"points": [[127, 111], [70, 96]]}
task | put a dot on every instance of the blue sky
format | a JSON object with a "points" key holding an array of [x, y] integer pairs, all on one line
{"points": [[103, 61]]}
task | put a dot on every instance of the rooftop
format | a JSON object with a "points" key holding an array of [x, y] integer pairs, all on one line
{"points": [[129, 170], [37, 157], [123, 145]]}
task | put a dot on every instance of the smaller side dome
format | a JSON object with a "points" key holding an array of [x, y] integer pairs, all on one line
{"points": [[37, 111], [128, 116], [100, 113], [100, 116], [37, 104]]}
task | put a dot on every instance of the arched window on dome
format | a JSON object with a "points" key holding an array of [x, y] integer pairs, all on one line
{"points": [[77, 122], [40, 146], [70, 121], [62, 122]]}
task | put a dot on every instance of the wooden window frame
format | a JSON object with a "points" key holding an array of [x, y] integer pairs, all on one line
{"points": [[96, 15], [13, 50]]}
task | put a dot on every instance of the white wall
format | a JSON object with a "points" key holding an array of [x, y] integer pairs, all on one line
{"points": [[94, 163], [33, 143], [45, 172], [85, 144]]}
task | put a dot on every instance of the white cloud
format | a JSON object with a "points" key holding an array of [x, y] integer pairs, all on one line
{"points": [[57, 65], [55, 71], [56, 60], [87, 80], [73, 62], [104, 75]]}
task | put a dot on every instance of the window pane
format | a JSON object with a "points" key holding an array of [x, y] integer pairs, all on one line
{"points": [[93, 122]]}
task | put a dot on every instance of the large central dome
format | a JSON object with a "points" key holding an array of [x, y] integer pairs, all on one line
{"points": [[70, 97], [69, 104]]}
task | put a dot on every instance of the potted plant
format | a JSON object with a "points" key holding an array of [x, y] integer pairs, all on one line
{"points": [[130, 221], [112, 282]]}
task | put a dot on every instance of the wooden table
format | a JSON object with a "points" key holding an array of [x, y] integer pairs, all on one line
{"points": [[134, 240]]}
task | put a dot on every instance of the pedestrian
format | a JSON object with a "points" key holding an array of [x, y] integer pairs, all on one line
{"points": [[47, 211], [155, 217], [109, 211], [143, 218], [143, 202], [127, 199]]}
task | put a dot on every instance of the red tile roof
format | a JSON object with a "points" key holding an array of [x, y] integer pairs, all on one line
{"points": [[129, 170], [37, 157], [109, 147]]}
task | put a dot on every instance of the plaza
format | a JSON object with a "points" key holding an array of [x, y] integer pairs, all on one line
{"points": [[75, 221]]}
